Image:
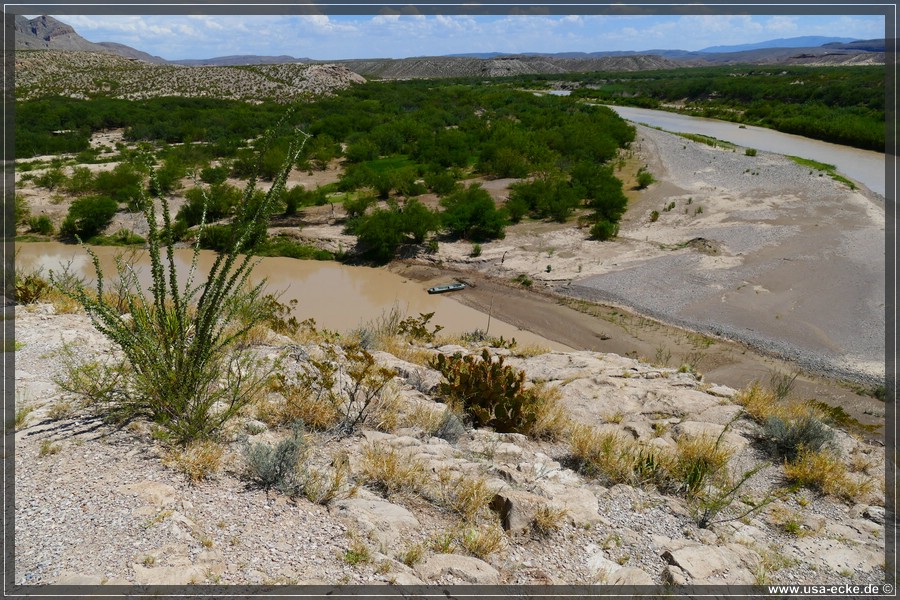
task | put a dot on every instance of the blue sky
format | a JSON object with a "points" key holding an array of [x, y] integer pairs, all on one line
{"points": [[329, 37]]}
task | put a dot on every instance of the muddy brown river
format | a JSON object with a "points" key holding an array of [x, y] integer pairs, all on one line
{"points": [[338, 297]]}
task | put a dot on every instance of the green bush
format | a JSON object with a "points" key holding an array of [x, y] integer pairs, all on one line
{"points": [[22, 210], [471, 214], [88, 217], [604, 230], [41, 224], [644, 178], [489, 392], [189, 371], [784, 438]]}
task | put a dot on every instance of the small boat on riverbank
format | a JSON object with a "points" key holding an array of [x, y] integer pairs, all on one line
{"points": [[450, 287]]}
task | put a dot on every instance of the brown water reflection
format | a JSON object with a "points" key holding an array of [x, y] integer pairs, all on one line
{"points": [[337, 296]]}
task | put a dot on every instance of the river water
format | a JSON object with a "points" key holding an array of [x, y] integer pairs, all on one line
{"points": [[338, 297], [863, 166]]}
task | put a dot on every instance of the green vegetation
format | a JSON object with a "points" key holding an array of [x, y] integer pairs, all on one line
{"points": [[493, 394], [843, 105], [187, 371], [825, 168], [88, 217]]}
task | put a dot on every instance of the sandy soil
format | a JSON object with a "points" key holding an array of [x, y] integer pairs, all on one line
{"points": [[754, 249]]}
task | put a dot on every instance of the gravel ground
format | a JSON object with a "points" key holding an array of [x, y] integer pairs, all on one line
{"points": [[800, 267]]}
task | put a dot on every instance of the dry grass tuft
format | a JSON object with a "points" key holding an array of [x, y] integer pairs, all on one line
{"points": [[294, 402], [551, 421], [465, 495], [697, 462], [547, 520], [199, 460], [606, 455], [391, 472], [482, 540], [823, 471]]}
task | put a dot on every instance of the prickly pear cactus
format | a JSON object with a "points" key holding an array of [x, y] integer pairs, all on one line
{"points": [[491, 393]]}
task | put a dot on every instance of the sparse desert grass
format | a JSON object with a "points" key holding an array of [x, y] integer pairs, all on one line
{"points": [[198, 460], [547, 519], [49, 448], [412, 555], [481, 540], [391, 472], [322, 487], [605, 455], [698, 461], [466, 495], [823, 471], [21, 417]]}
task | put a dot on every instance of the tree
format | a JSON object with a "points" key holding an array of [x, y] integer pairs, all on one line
{"points": [[471, 214], [380, 234], [89, 216], [418, 221]]}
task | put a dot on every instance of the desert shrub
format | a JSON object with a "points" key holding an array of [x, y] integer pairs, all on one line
{"points": [[124, 184], [490, 393], [186, 371], [604, 230], [339, 390], [644, 178], [31, 287], [41, 224], [750, 152], [471, 214], [51, 179], [88, 217], [214, 175], [278, 467], [654, 216], [22, 210], [784, 437]]}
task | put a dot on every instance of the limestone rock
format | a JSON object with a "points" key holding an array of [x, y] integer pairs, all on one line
{"points": [[729, 564], [631, 576], [180, 575], [467, 568], [386, 521], [517, 509]]}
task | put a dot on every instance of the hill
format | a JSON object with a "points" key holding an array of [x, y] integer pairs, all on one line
{"points": [[81, 74]]}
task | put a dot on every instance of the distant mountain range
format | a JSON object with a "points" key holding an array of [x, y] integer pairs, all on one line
{"points": [[810, 41], [48, 33]]}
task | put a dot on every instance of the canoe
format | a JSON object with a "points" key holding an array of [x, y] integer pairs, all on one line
{"points": [[450, 287]]}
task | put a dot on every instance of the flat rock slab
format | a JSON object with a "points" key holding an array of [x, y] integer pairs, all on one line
{"points": [[467, 568], [387, 521], [730, 564]]}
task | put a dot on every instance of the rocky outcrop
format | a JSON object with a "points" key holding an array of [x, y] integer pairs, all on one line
{"points": [[77, 74], [104, 509]]}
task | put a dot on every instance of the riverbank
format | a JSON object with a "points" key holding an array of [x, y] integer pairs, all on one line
{"points": [[757, 249]]}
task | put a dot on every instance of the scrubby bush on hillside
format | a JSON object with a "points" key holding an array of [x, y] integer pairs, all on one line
{"points": [[88, 217], [187, 371]]}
